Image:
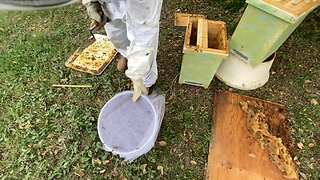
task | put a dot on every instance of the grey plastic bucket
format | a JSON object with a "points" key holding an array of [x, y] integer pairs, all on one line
{"points": [[130, 129]]}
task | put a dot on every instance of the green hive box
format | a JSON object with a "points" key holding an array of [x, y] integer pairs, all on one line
{"points": [[265, 25], [204, 49]]}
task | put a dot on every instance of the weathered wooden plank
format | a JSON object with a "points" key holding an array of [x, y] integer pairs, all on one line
{"points": [[233, 152]]}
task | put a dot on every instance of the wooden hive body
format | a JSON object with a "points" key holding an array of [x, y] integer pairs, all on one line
{"points": [[205, 47]]}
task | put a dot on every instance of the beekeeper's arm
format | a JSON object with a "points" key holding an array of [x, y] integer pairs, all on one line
{"points": [[143, 30], [94, 9], [138, 66]]}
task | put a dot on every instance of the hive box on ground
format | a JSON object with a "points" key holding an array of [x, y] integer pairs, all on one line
{"points": [[205, 47]]}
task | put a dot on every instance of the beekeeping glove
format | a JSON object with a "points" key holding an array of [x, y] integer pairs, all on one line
{"points": [[138, 89], [94, 10]]}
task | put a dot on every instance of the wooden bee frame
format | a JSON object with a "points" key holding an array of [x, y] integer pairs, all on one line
{"points": [[206, 35]]}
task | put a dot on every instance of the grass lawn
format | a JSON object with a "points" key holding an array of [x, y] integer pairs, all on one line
{"points": [[50, 133]]}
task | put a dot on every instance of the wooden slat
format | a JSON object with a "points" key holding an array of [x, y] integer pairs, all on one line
{"points": [[71, 86], [222, 38], [202, 36], [188, 35], [231, 144], [195, 48], [182, 19], [294, 7]]}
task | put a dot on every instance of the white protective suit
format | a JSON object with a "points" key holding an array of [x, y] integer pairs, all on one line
{"points": [[134, 30]]}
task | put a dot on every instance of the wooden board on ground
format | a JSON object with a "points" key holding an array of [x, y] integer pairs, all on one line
{"points": [[234, 154]]}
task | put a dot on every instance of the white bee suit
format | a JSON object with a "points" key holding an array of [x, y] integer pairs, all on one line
{"points": [[134, 30]]}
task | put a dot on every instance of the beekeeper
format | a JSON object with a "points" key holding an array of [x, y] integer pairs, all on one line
{"points": [[134, 30]]}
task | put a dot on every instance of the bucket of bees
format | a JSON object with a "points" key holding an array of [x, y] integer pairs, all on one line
{"points": [[130, 129]]}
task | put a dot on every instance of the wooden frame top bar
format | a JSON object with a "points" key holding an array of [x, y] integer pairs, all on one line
{"points": [[294, 7], [182, 19]]}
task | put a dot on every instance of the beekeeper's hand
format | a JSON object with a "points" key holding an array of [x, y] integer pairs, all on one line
{"points": [[138, 89], [94, 10]]}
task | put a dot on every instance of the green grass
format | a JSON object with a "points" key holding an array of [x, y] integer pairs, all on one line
{"points": [[48, 133]]}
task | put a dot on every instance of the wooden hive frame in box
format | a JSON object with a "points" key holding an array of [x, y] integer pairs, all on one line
{"points": [[294, 7], [205, 47], [206, 35]]}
